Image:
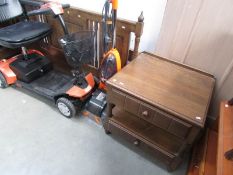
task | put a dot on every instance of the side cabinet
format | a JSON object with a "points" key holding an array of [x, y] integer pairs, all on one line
{"points": [[159, 106]]}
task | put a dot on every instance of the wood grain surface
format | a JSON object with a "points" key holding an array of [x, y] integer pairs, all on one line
{"points": [[175, 88], [225, 140]]}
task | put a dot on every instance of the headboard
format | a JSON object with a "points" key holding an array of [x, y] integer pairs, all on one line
{"points": [[79, 19]]}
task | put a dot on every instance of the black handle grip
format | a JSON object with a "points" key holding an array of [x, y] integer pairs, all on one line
{"points": [[65, 6], [39, 12], [31, 2], [45, 10]]}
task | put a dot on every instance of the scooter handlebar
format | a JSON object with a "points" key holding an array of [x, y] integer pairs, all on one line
{"points": [[31, 2], [65, 6], [47, 10]]}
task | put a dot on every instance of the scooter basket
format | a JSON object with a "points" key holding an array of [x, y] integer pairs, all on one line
{"points": [[79, 48]]}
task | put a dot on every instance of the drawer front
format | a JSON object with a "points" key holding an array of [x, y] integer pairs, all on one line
{"points": [[179, 128], [162, 119], [131, 105], [139, 142], [116, 97], [146, 112], [154, 116], [149, 113]]}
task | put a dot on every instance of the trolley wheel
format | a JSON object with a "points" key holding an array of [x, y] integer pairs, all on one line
{"points": [[66, 107], [3, 82]]}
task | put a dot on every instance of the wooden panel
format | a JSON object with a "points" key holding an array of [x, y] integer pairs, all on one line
{"points": [[146, 112], [179, 128], [116, 96], [79, 19], [198, 33], [203, 159], [142, 144], [184, 91], [122, 43], [225, 140], [211, 158], [162, 120], [208, 155], [224, 93], [173, 12], [212, 42], [131, 105], [155, 116], [157, 137], [177, 28]]}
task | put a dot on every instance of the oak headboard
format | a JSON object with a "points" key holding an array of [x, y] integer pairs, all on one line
{"points": [[79, 19]]}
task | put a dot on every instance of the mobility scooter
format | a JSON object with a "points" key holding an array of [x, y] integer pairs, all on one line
{"points": [[32, 70]]}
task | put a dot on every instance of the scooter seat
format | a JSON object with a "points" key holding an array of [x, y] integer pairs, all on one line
{"points": [[23, 33]]}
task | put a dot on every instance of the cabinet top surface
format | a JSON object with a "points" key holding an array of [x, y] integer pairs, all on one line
{"points": [[178, 89]]}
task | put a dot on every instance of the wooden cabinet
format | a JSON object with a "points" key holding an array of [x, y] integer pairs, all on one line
{"points": [[159, 105], [225, 139], [208, 157]]}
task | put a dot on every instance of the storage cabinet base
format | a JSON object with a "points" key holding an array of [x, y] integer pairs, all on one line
{"points": [[172, 162]]}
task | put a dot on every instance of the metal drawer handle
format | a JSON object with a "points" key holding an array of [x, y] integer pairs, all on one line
{"points": [[145, 113], [136, 142]]}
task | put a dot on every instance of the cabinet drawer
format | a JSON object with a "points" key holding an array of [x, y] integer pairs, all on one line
{"points": [[161, 119], [149, 113], [179, 128], [131, 105], [146, 112], [138, 141], [116, 97], [154, 116]]}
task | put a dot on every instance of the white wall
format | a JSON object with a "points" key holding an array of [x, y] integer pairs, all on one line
{"points": [[130, 9]]}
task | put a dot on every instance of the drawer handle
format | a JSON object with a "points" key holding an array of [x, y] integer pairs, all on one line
{"points": [[136, 142], [145, 113]]}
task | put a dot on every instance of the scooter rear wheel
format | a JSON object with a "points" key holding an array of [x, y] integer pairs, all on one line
{"points": [[3, 82], [66, 107]]}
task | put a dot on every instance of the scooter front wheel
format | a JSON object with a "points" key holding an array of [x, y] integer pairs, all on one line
{"points": [[3, 82], [66, 107]]}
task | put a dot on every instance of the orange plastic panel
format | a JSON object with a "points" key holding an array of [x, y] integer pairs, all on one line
{"points": [[6, 70], [78, 92], [117, 56]]}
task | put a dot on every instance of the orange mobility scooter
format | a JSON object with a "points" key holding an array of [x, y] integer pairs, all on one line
{"points": [[32, 70]]}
